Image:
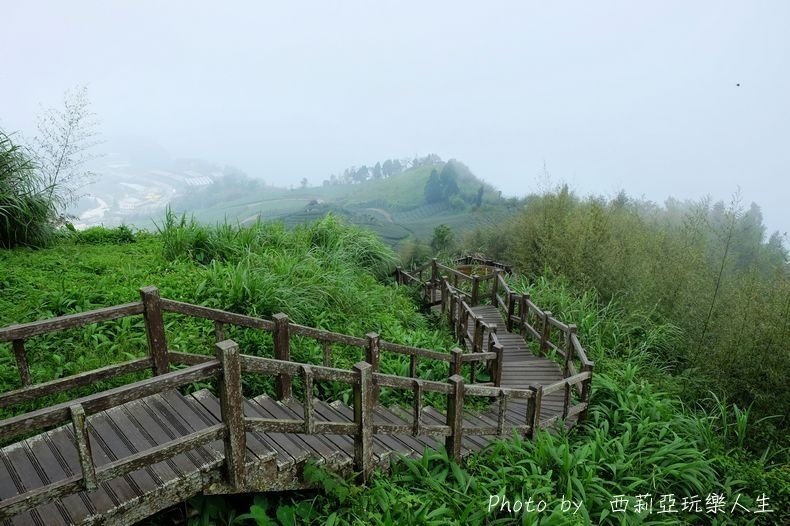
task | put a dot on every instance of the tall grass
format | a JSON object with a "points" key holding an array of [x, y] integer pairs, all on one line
{"points": [[26, 208]]}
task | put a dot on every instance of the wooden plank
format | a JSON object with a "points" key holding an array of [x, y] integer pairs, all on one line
{"points": [[52, 468], [185, 415], [106, 438], [26, 330], [94, 403], [259, 445], [62, 443], [27, 479]]}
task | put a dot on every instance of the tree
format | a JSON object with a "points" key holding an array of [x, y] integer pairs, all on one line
{"points": [[303, 182], [63, 147], [377, 171], [362, 174], [448, 180], [433, 188], [386, 168], [479, 198], [442, 239]]}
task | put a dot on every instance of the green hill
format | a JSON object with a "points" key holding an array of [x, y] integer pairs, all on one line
{"points": [[394, 207]]}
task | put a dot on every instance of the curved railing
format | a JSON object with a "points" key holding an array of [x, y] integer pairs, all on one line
{"points": [[460, 292]]}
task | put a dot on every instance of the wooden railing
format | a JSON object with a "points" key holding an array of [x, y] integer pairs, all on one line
{"points": [[461, 292], [228, 366]]}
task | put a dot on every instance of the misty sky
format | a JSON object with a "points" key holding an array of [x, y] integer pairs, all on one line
{"points": [[638, 95]]}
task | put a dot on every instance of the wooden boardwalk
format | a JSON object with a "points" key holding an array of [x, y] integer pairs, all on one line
{"points": [[149, 445]]}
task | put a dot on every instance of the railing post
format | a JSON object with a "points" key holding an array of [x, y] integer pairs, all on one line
{"points": [[496, 377], [453, 308], [307, 382], [455, 361], [444, 293], [363, 419], [566, 403], [417, 408], [398, 275], [372, 352], [455, 417], [232, 409], [155, 330], [495, 287], [282, 351], [21, 361], [522, 313], [83, 447], [434, 270], [511, 309], [544, 333], [475, 289], [568, 348], [530, 416], [538, 403], [477, 339], [586, 391]]}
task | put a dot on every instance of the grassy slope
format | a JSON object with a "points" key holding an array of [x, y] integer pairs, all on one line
{"points": [[394, 207], [639, 441]]}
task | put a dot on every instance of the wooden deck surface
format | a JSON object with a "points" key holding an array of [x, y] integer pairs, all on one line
{"points": [[137, 426]]}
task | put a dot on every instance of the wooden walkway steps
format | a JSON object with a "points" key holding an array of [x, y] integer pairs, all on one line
{"points": [[119, 456]]}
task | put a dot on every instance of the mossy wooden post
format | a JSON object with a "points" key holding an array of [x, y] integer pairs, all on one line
{"points": [[282, 351], [538, 403], [155, 330], [523, 310], [495, 287], [21, 361], [434, 273], [443, 298], [457, 356], [511, 309], [455, 417], [372, 353], [477, 335], [398, 274], [475, 289], [544, 332], [363, 419], [568, 349], [83, 447], [586, 391], [232, 408], [453, 307], [531, 406]]}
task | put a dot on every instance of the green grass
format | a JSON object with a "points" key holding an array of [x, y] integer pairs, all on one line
{"points": [[639, 439]]}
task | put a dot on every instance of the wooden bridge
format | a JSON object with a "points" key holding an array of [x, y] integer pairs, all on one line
{"points": [[120, 455]]}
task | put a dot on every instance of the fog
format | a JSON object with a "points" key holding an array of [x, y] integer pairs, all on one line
{"points": [[658, 98]]}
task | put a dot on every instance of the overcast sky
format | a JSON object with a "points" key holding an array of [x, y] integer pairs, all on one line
{"points": [[633, 95]]}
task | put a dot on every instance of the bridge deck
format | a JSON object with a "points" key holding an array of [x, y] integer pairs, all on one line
{"points": [[125, 430], [274, 460]]}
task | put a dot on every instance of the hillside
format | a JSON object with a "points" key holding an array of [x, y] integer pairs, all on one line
{"points": [[394, 207]]}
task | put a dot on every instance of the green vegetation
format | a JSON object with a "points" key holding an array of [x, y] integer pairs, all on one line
{"points": [[646, 435], [639, 440], [26, 212], [394, 205]]}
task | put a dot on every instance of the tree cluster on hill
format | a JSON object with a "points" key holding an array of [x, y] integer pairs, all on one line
{"points": [[708, 268], [380, 170], [443, 186]]}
